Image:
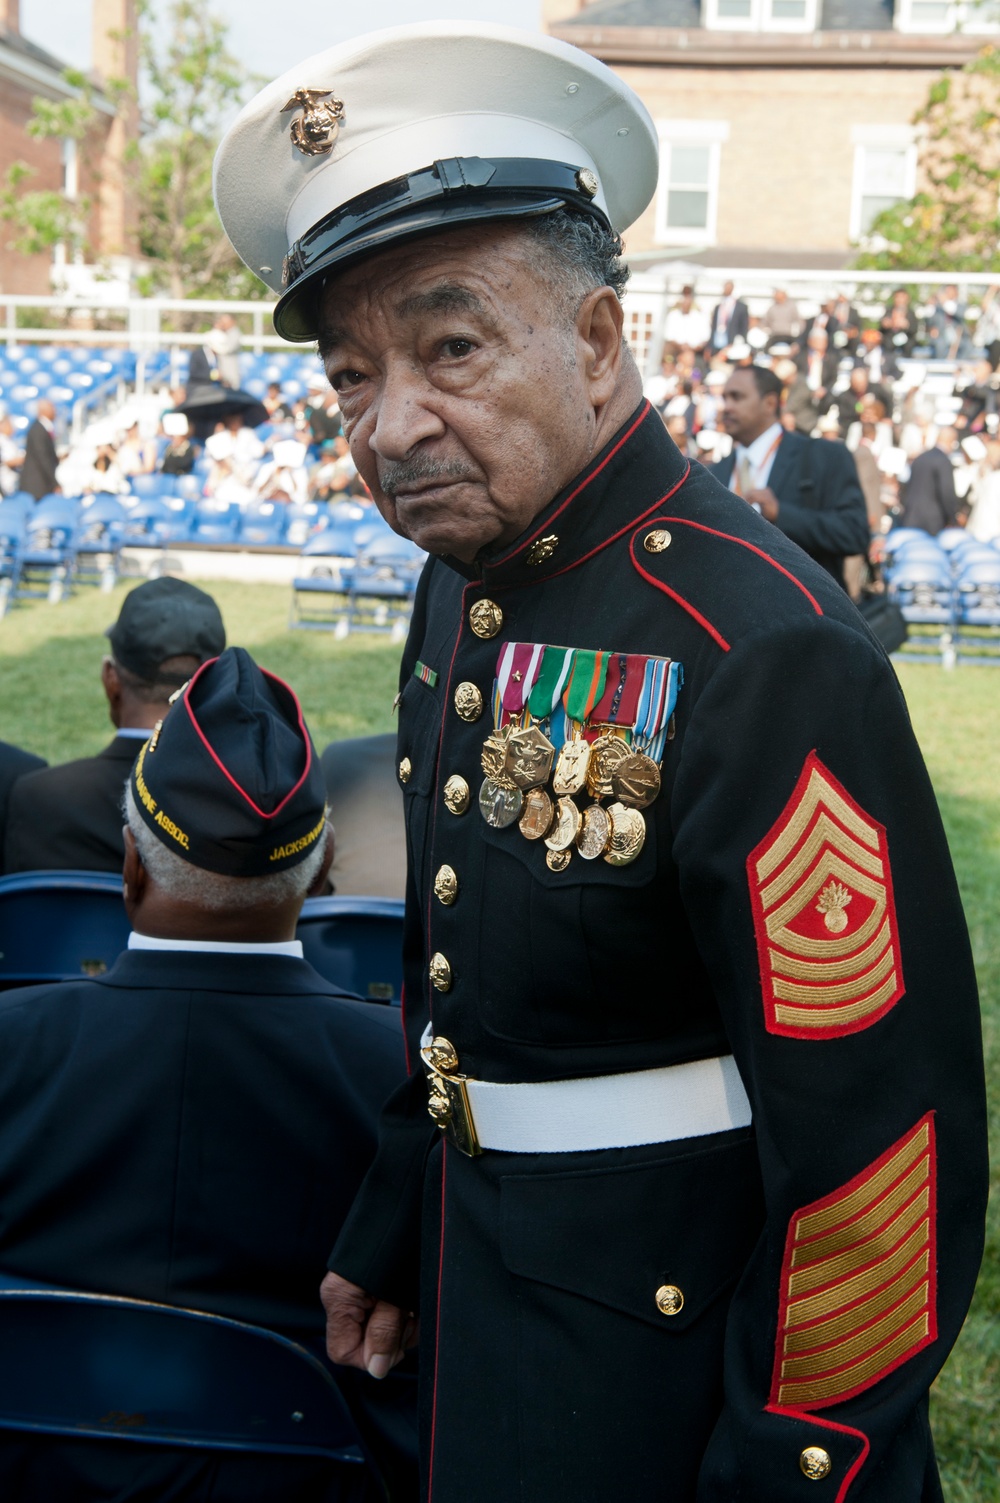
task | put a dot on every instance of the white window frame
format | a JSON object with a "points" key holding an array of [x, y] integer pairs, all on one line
{"points": [[710, 133], [971, 17], [865, 138], [759, 19]]}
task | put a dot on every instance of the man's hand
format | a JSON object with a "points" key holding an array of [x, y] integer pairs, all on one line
{"points": [[362, 1331], [767, 501]]}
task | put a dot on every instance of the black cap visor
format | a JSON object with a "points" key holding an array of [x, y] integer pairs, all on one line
{"points": [[462, 190]]}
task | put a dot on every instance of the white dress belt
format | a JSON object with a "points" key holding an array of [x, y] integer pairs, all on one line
{"points": [[609, 1111]]}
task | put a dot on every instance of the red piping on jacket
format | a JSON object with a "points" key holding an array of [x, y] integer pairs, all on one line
{"points": [[437, 1332], [825, 1424], [581, 487], [684, 522]]}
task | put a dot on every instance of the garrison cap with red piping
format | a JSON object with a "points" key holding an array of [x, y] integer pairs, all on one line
{"points": [[230, 780], [405, 132]]}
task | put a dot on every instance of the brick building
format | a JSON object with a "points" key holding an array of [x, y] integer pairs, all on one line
{"points": [[93, 170], [785, 125]]}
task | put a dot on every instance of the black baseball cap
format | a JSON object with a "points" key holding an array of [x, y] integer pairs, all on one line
{"points": [[230, 780], [165, 618]]}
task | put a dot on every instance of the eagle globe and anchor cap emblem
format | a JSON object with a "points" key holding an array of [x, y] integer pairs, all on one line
{"points": [[315, 131]]}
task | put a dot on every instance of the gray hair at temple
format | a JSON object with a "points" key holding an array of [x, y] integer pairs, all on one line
{"points": [[192, 884], [587, 253]]}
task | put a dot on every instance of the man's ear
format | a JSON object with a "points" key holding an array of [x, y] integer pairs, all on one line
{"points": [[318, 887], [113, 689], [134, 877], [599, 323]]}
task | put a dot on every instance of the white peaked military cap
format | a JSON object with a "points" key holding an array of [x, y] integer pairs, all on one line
{"points": [[418, 128]]}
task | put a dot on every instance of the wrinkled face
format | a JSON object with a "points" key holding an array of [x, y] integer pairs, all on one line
{"points": [[460, 378]]}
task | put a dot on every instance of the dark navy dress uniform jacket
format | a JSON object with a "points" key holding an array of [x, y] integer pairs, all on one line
{"points": [[552, 1375], [190, 1128]]}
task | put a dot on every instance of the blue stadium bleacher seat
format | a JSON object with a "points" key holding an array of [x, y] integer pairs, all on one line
{"points": [[924, 591], [77, 1364], [902, 535], [216, 522], [147, 525], [99, 541], [357, 943], [951, 537], [264, 524], [48, 555], [12, 527], [978, 591], [147, 486], [58, 926]]}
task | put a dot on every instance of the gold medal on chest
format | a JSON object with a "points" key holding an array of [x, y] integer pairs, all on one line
{"points": [[628, 835], [605, 755], [571, 768], [636, 780], [539, 812], [567, 826], [499, 806], [493, 759], [595, 832], [529, 758]]}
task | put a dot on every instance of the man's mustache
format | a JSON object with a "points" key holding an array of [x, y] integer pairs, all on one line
{"points": [[394, 476]]}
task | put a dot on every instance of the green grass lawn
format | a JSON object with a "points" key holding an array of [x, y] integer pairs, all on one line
{"points": [[51, 702]]}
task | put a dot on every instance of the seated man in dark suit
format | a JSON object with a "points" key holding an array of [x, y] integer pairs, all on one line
{"points": [[366, 810], [807, 487], [192, 1127], [69, 817], [14, 763], [929, 497]]}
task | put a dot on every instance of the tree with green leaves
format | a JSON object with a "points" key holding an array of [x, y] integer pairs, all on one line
{"points": [[952, 223], [190, 83]]}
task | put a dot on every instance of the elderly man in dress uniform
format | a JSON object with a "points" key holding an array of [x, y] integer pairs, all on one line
{"points": [[691, 1158]]}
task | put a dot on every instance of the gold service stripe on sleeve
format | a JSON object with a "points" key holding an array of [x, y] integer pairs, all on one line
{"points": [[872, 1249], [831, 1017], [817, 1363], [838, 991], [864, 1225], [830, 970], [804, 1338], [827, 1389], [810, 1223], [814, 1306]]}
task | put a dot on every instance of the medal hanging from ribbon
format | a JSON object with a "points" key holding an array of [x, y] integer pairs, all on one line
{"points": [[609, 714]]}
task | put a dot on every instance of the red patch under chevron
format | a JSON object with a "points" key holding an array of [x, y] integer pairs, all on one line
{"points": [[858, 1295], [824, 914]]}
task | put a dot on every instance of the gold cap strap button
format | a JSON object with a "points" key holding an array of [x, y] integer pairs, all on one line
{"points": [[485, 618], [446, 886], [815, 1463], [657, 540], [456, 795], [405, 769], [669, 1299], [440, 972], [468, 702]]}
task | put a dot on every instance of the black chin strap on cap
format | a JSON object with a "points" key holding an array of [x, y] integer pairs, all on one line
{"points": [[459, 190]]}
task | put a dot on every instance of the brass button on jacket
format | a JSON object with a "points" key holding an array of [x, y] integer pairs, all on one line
{"points": [[657, 540], [669, 1299], [468, 702], [542, 549], [456, 795], [446, 886], [405, 769], [440, 970], [485, 618], [815, 1463]]}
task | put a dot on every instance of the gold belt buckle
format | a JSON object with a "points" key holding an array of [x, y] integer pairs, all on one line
{"points": [[448, 1099]]}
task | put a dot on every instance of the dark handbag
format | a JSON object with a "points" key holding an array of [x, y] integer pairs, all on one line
{"points": [[884, 619]]}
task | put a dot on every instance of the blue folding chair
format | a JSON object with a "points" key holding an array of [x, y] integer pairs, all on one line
{"points": [[357, 943], [148, 487], [12, 528], [99, 542], [59, 926], [48, 557], [76, 1364], [147, 526], [977, 590]]}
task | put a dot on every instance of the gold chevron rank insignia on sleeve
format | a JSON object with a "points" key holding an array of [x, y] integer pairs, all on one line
{"points": [[824, 914], [858, 1294]]}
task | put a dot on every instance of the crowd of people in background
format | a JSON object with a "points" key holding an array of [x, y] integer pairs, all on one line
{"points": [[877, 386], [925, 437]]}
